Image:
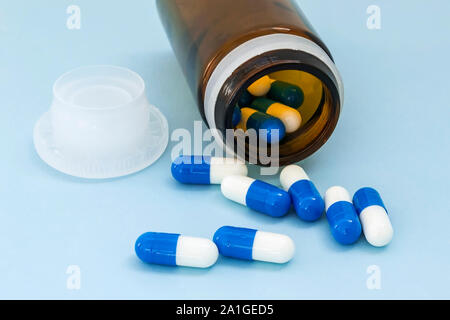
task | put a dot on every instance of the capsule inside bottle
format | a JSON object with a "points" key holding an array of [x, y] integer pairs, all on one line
{"points": [[300, 100]]}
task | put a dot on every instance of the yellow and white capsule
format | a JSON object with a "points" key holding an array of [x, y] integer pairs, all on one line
{"points": [[260, 87], [290, 117]]}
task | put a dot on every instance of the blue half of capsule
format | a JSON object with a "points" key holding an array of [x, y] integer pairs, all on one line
{"points": [[157, 248], [344, 222], [235, 242], [307, 201], [366, 197], [266, 198], [192, 169]]}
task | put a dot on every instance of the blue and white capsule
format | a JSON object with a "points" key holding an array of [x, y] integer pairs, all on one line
{"points": [[176, 250], [307, 201], [256, 195], [342, 217], [205, 169], [250, 244], [374, 218]]}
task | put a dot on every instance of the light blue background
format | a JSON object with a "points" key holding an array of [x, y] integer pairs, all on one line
{"points": [[393, 135]]}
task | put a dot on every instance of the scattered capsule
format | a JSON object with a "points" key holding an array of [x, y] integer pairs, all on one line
{"points": [[246, 99], [176, 250], [342, 217], [286, 93], [256, 195], [206, 170], [308, 202], [260, 87], [290, 117], [250, 244], [268, 128], [374, 218], [237, 115]]}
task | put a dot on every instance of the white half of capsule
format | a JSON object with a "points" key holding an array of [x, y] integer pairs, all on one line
{"points": [[336, 194], [290, 175], [220, 168], [376, 226], [196, 252], [272, 247], [235, 188]]}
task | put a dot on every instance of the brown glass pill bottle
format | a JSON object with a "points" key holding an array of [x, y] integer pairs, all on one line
{"points": [[224, 46]]}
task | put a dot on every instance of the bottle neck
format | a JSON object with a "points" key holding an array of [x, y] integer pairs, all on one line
{"points": [[263, 56]]}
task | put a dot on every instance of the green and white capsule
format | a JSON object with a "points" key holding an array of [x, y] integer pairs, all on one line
{"points": [[286, 93], [291, 118]]}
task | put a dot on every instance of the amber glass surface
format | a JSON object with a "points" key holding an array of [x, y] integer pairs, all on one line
{"points": [[202, 32]]}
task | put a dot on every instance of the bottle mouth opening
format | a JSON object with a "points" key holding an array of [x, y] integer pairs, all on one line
{"points": [[287, 110]]}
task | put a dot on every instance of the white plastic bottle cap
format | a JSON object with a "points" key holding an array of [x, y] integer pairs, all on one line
{"points": [[100, 124]]}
